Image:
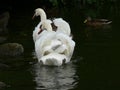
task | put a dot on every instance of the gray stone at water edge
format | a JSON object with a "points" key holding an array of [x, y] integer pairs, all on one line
{"points": [[11, 49]]}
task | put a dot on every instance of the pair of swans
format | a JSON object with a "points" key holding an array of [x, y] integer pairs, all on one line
{"points": [[53, 41]]}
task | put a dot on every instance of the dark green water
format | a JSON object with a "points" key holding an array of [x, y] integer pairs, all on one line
{"points": [[94, 65]]}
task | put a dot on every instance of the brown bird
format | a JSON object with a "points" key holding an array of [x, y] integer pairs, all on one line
{"points": [[96, 22]]}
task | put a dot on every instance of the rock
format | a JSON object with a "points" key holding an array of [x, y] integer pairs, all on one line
{"points": [[4, 17], [2, 85], [11, 49]]}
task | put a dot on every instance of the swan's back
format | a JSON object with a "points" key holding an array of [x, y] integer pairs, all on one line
{"points": [[53, 42], [62, 26]]}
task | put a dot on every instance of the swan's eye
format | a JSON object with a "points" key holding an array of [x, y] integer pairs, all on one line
{"points": [[36, 13]]}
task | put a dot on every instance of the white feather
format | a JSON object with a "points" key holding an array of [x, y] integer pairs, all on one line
{"points": [[62, 26], [53, 48]]}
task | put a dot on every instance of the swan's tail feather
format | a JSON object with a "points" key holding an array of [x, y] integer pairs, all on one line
{"points": [[53, 59]]}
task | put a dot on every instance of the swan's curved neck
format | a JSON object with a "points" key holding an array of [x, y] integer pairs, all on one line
{"points": [[42, 15], [46, 25], [49, 28]]}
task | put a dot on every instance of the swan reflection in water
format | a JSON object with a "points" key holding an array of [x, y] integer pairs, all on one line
{"points": [[55, 78]]}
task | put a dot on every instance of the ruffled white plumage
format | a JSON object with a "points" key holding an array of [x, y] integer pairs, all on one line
{"points": [[63, 26], [53, 47]]}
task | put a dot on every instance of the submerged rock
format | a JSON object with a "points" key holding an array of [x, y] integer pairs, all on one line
{"points": [[4, 17], [11, 49], [2, 85]]}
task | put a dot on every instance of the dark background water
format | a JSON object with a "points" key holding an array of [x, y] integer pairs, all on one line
{"points": [[95, 62]]}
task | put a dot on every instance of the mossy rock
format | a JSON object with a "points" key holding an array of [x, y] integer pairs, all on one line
{"points": [[11, 49], [2, 85]]}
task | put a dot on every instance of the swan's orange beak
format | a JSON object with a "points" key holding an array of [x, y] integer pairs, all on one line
{"points": [[33, 16], [40, 31]]}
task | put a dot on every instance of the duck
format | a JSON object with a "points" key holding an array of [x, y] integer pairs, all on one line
{"points": [[58, 24], [52, 48], [96, 22]]}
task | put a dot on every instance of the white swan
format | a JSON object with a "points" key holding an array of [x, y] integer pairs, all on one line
{"points": [[41, 13], [54, 48], [62, 25]]}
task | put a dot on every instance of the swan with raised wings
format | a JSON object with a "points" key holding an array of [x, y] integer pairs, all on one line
{"points": [[52, 47], [60, 24]]}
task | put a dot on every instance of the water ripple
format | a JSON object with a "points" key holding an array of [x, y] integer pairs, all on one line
{"points": [[55, 78]]}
